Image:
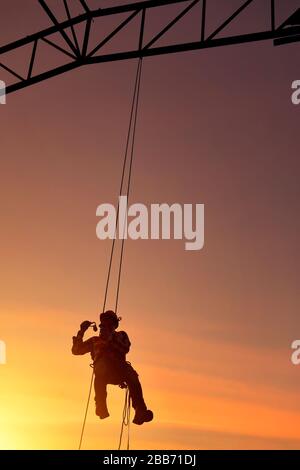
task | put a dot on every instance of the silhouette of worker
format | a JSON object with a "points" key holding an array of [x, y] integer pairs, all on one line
{"points": [[108, 351]]}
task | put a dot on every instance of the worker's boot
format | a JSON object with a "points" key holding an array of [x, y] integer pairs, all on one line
{"points": [[142, 415], [102, 411]]}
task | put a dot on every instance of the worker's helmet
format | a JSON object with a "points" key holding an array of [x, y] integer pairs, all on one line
{"points": [[110, 315]]}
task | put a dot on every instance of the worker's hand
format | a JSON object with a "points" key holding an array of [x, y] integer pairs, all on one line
{"points": [[85, 325]]}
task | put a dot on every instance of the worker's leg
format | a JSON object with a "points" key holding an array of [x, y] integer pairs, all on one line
{"points": [[100, 396], [135, 389], [132, 379]]}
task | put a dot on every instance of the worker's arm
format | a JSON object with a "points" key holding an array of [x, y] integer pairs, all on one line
{"points": [[79, 346]]}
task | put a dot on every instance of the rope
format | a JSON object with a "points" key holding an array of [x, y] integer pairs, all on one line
{"points": [[138, 83], [86, 411], [133, 109], [133, 119], [126, 409], [125, 420]]}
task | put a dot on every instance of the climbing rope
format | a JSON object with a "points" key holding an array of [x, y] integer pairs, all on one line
{"points": [[86, 411], [137, 97], [130, 136], [131, 130], [125, 420]]}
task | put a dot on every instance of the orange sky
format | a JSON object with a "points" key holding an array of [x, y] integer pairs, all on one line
{"points": [[210, 330], [200, 400]]}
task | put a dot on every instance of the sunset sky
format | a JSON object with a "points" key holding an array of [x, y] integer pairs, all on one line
{"points": [[211, 330]]}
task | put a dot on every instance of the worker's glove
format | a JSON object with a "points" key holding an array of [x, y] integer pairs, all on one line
{"points": [[85, 325]]}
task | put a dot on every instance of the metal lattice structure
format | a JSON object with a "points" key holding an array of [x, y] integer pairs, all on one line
{"points": [[78, 53]]}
